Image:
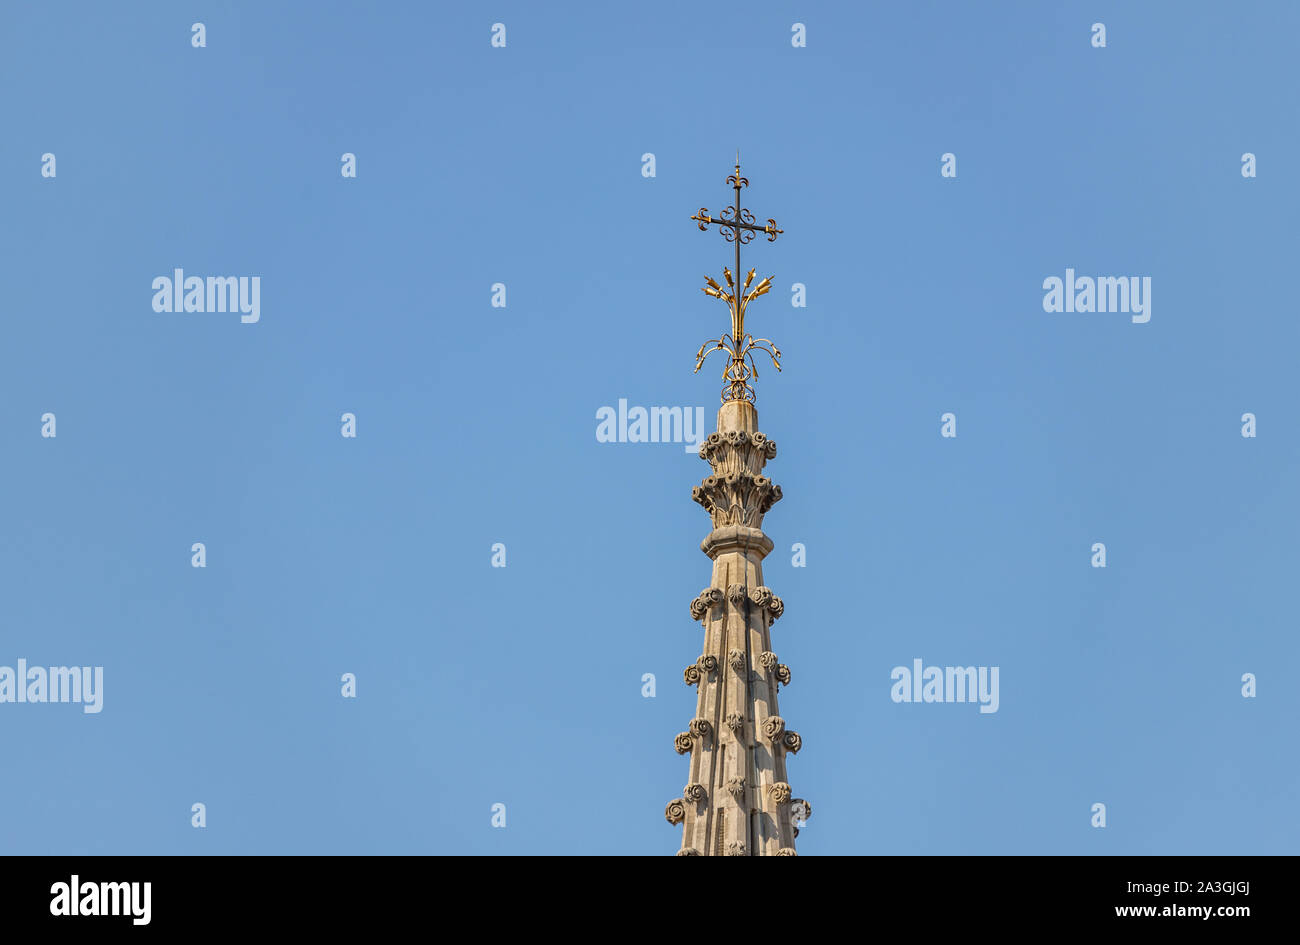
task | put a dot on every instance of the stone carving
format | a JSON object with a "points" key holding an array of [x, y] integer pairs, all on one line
{"points": [[700, 728], [736, 660], [800, 811], [767, 659], [683, 743], [703, 601], [688, 851], [779, 792], [691, 674], [694, 793], [737, 448], [736, 594], [786, 851], [739, 498], [737, 493], [675, 812], [735, 722], [707, 663], [773, 728], [764, 598], [783, 674], [736, 788], [792, 742], [737, 848]]}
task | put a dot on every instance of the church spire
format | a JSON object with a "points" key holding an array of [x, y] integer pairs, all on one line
{"points": [[737, 801]]}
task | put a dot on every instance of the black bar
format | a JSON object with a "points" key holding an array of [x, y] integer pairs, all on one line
{"points": [[333, 894]]}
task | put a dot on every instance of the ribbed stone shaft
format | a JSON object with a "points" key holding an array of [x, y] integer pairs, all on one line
{"points": [[737, 799]]}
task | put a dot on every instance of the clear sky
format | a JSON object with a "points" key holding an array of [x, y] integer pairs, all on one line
{"points": [[475, 425]]}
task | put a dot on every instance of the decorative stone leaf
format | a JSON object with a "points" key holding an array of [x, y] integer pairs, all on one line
{"points": [[773, 728]]}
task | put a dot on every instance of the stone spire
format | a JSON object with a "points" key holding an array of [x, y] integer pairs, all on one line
{"points": [[737, 800]]}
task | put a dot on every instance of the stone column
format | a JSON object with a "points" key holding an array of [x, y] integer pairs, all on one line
{"points": [[737, 801]]}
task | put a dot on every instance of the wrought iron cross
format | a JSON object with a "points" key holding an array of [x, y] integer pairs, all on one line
{"points": [[738, 226]]}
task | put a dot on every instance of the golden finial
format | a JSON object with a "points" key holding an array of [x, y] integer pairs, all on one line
{"points": [[737, 225]]}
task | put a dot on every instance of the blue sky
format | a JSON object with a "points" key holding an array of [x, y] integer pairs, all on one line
{"points": [[522, 685]]}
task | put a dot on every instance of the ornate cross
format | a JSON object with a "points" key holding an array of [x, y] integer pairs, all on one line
{"points": [[737, 225]]}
